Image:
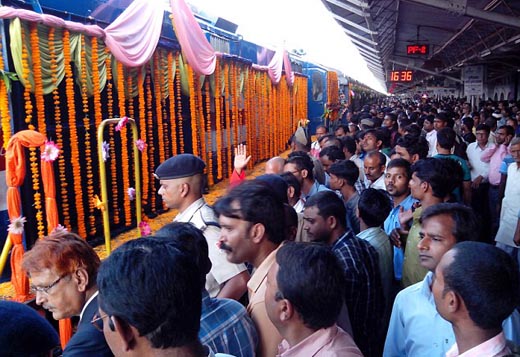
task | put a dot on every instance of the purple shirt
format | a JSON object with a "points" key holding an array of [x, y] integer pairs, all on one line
{"points": [[330, 342]]}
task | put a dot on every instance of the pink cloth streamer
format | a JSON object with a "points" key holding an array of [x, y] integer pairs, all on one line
{"points": [[195, 47]]}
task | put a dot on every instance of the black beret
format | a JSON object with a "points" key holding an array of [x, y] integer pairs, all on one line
{"points": [[183, 165], [24, 332]]}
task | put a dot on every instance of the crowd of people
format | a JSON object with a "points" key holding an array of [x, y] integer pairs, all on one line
{"points": [[396, 233]]}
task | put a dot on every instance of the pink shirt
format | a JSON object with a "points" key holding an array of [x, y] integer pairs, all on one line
{"points": [[494, 155], [494, 347], [327, 342]]}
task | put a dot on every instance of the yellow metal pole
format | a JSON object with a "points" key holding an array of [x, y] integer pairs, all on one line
{"points": [[137, 173], [5, 252]]}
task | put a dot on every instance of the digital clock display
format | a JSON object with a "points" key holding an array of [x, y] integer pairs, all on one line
{"points": [[419, 49], [401, 76]]}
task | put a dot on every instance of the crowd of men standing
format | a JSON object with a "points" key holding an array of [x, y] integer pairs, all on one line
{"points": [[395, 234]]}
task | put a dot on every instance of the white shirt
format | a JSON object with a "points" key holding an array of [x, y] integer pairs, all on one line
{"points": [[379, 183], [417, 329], [200, 214], [431, 137], [478, 167]]}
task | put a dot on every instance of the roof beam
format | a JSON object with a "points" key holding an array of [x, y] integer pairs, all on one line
{"points": [[460, 7], [356, 35], [354, 25], [367, 47], [352, 9]]}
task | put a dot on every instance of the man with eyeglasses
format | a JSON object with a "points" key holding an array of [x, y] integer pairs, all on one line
{"points": [[62, 269]]}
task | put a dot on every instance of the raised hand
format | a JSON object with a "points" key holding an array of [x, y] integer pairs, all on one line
{"points": [[241, 158]]}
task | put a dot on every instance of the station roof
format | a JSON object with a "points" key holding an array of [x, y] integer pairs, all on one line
{"points": [[458, 32]]}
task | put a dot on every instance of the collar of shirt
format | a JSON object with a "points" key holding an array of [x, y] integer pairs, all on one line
{"points": [[86, 304], [310, 345], [370, 232], [347, 235], [495, 346], [261, 272], [426, 287], [314, 189], [188, 213], [379, 183]]}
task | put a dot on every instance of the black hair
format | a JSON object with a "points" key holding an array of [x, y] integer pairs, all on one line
{"points": [[429, 118], [291, 220], [385, 135], [316, 288], [486, 279], [346, 170], [414, 145], [257, 203], [293, 182], [465, 223], [402, 163], [334, 153], [379, 154], [374, 206], [484, 127], [153, 286], [329, 204], [188, 238], [302, 161], [443, 175], [413, 129], [446, 138], [349, 143], [510, 131], [331, 138], [342, 126]]}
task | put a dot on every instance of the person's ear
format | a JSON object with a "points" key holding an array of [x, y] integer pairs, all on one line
{"points": [[286, 310], [415, 157], [126, 333], [453, 301], [257, 232], [290, 192], [332, 222], [185, 189], [305, 173], [81, 278]]}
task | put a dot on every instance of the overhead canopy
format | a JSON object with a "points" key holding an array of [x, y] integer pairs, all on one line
{"points": [[458, 32]]}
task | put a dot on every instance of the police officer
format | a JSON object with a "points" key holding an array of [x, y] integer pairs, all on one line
{"points": [[181, 179]]}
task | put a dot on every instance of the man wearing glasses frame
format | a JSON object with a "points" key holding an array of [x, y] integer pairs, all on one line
{"points": [[62, 269]]}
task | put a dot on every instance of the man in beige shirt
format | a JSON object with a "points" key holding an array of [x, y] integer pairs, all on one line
{"points": [[251, 217]]}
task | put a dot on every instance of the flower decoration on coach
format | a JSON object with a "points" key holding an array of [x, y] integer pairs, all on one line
{"points": [[141, 145], [50, 152], [145, 229], [106, 150], [131, 193], [16, 225], [121, 123]]}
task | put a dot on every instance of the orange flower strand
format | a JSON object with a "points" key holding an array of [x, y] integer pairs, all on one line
{"points": [[142, 128], [179, 102], [4, 106], [171, 95], [113, 162], [25, 73], [218, 123], [98, 115], [208, 133], [150, 125], [158, 105], [37, 75]]}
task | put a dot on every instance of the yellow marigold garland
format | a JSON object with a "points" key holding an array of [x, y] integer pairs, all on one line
{"points": [[150, 130], [113, 162], [218, 122], [163, 63], [179, 102], [209, 161], [193, 112], [130, 89], [227, 114], [98, 114], [4, 105], [27, 90], [201, 127], [171, 94], [88, 143]]}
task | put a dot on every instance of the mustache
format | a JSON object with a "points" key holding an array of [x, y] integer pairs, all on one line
{"points": [[224, 246]]}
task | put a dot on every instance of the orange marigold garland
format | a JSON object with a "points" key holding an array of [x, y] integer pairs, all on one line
{"points": [[227, 115], [59, 130], [130, 90], [171, 94], [218, 123], [208, 133], [158, 98], [124, 143], [142, 129], [37, 75], [113, 162], [27, 90], [193, 113], [201, 125], [74, 152], [98, 115], [163, 63], [232, 105]]}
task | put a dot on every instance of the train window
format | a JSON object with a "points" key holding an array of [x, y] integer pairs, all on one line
{"points": [[317, 86]]}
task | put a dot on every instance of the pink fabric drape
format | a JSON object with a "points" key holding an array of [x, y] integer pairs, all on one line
{"points": [[131, 38], [279, 61], [195, 47], [134, 35], [289, 74]]}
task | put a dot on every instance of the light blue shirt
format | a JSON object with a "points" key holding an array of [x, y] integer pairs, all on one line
{"points": [[417, 329], [391, 222], [316, 187]]}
